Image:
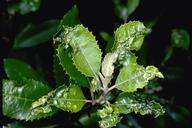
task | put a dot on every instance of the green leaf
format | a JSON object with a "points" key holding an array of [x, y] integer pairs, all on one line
{"points": [[71, 18], [130, 36], [180, 38], [59, 74], [152, 72], [69, 99], [109, 117], [33, 35], [124, 9], [23, 6], [17, 99], [132, 6], [109, 39], [134, 76], [18, 70], [66, 61], [86, 53], [41, 106], [138, 103], [131, 78], [126, 57]]}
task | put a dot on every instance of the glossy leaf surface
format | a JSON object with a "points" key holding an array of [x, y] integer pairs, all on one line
{"points": [[17, 99], [18, 70]]}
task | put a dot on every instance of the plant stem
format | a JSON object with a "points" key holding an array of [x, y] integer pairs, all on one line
{"points": [[99, 99], [89, 101], [111, 88], [105, 82]]}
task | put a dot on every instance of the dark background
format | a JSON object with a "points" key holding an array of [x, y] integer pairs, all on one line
{"points": [[98, 15]]}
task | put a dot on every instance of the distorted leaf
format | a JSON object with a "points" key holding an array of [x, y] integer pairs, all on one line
{"points": [[107, 64], [69, 99], [130, 36], [109, 117], [17, 99], [138, 103], [134, 76]]}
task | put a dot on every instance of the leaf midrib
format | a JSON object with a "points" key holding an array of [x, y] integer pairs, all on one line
{"points": [[128, 80], [21, 98], [85, 58]]}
